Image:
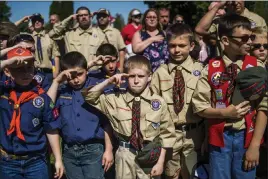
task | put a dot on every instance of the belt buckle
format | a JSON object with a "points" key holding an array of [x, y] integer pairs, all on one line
{"points": [[183, 127]]}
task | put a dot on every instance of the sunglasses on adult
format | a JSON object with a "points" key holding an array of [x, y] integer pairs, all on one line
{"points": [[258, 46], [137, 16], [244, 38]]}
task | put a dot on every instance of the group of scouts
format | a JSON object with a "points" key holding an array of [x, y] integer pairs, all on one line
{"points": [[104, 116]]}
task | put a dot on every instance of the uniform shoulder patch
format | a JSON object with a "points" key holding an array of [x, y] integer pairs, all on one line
{"points": [[38, 78], [155, 104], [216, 63], [38, 102], [196, 73]]}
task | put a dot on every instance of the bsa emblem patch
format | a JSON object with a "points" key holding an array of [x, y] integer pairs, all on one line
{"points": [[38, 102], [38, 78], [215, 78], [219, 95], [220, 105], [155, 104], [216, 64], [36, 122], [196, 73]]}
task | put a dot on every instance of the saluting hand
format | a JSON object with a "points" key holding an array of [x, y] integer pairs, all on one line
{"points": [[107, 160], [99, 60], [16, 61], [238, 111], [118, 79], [65, 75]]}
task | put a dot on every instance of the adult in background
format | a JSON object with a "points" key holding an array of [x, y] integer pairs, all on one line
{"points": [[112, 35], [133, 25], [150, 40], [178, 19], [46, 50], [164, 17]]}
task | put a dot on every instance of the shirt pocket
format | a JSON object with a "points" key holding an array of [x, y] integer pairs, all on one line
{"points": [[166, 88], [66, 108], [75, 45], [152, 121], [122, 122], [191, 85]]}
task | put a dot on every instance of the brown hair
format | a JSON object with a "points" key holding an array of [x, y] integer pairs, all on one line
{"points": [[137, 61], [159, 26], [129, 19]]}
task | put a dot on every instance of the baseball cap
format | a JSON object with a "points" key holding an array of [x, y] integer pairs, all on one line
{"points": [[37, 17], [135, 12], [22, 52], [103, 11]]}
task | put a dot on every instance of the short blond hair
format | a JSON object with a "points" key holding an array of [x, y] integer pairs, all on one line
{"points": [[137, 61], [259, 31]]}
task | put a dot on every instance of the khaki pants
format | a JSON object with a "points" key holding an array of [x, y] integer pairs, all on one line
{"points": [[185, 151], [126, 167]]}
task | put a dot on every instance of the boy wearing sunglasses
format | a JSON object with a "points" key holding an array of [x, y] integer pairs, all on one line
{"points": [[231, 125], [259, 47]]}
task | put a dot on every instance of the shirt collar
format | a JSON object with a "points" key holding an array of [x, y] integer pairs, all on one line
{"points": [[108, 28], [81, 31], [187, 65], [41, 33], [228, 62], [146, 95]]}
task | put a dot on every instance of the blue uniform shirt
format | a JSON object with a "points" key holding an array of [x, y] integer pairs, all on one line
{"points": [[36, 120], [79, 122]]}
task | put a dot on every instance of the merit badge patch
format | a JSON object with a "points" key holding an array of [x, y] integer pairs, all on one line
{"points": [[215, 78], [36, 122], [95, 35], [196, 73], [38, 102], [220, 105], [155, 125], [216, 64], [51, 105], [219, 95], [38, 78], [156, 105]]}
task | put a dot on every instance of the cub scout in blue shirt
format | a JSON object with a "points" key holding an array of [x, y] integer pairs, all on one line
{"points": [[83, 128], [26, 116]]}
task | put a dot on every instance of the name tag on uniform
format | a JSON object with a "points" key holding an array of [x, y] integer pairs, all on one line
{"points": [[155, 125]]}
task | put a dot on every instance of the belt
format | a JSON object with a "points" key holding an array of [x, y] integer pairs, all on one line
{"points": [[128, 146], [189, 126], [92, 141], [45, 70], [14, 157]]}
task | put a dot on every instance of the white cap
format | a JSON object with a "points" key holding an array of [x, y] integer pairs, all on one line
{"points": [[136, 12]]}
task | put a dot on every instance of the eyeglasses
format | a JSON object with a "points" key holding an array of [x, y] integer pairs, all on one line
{"points": [[245, 38], [81, 15], [137, 16], [151, 17], [180, 22], [258, 46], [102, 15]]}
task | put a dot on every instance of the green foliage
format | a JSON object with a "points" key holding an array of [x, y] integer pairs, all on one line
{"points": [[261, 9], [119, 22], [4, 11], [63, 8]]}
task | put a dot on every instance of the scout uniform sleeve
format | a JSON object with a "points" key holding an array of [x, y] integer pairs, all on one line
{"points": [[121, 43], [50, 115], [263, 106], [167, 129], [55, 49], [155, 86], [59, 28], [202, 95]]}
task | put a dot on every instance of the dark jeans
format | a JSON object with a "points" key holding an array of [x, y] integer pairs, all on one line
{"points": [[33, 168], [83, 161]]}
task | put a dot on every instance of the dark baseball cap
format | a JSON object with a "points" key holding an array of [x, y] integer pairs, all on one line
{"points": [[37, 17]]}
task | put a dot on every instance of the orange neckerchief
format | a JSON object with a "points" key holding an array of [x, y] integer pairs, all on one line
{"points": [[15, 122]]}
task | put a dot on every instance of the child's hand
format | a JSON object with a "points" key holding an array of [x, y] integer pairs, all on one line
{"points": [[251, 158], [117, 79], [65, 75], [107, 160], [99, 60], [16, 61], [238, 111], [59, 169], [157, 170]]}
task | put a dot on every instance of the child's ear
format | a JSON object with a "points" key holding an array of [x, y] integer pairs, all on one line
{"points": [[192, 46], [225, 40], [150, 77], [7, 72]]}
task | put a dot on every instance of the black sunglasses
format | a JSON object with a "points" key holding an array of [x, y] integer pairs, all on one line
{"points": [[245, 38], [137, 16], [258, 46], [101, 15]]}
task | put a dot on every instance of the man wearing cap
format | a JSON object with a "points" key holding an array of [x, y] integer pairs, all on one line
{"points": [[46, 50], [112, 35], [82, 38]]}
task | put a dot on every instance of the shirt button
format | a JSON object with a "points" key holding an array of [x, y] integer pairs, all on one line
{"points": [[77, 114], [78, 129]]}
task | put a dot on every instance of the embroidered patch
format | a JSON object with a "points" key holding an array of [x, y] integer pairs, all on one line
{"points": [[251, 129], [220, 105], [19, 51], [253, 24], [156, 105], [215, 78], [216, 64], [36, 122], [38, 78], [55, 113], [51, 105], [155, 125], [218, 93], [95, 35], [38, 102], [196, 73]]}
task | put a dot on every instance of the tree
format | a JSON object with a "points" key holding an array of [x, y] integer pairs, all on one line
{"points": [[119, 22], [63, 8], [261, 9], [4, 11]]}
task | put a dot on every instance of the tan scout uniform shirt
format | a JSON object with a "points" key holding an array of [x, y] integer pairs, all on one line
{"points": [[114, 37], [162, 84], [77, 39], [154, 121], [50, 50], [202, 94]]}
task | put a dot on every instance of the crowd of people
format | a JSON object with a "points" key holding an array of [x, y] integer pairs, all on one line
{"points": [[156, 100]]}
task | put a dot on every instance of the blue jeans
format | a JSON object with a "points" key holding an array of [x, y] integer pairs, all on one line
{"points": [[83, 161], [33, 168], [227, 162]]}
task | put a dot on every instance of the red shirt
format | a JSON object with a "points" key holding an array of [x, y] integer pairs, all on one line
{"points": [[128, 32]]}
